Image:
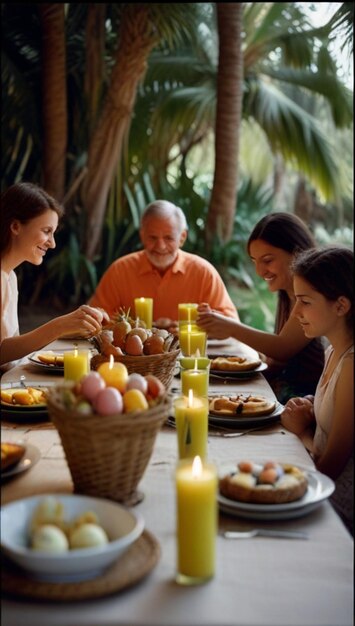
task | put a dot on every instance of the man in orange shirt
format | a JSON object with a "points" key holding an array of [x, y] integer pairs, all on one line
{"points": [[162, 270]]}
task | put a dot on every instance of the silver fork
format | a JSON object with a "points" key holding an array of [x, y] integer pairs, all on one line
{"points": [[264, 532], [245, 432], [219, 431]]}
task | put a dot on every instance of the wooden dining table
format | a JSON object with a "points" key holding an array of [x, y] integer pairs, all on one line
{"points": [[262, 581]]}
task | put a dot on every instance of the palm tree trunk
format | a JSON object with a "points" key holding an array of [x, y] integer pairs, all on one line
{"points": [[54, 98], [303, 201], [228, 118], [94, 60], [137, 40]]}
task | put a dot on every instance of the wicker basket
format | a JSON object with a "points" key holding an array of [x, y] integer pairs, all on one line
{"points": [[161, 365], [107, 455]]}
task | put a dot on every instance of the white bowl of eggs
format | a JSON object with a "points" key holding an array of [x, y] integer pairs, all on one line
{"points": [[67, 537]]}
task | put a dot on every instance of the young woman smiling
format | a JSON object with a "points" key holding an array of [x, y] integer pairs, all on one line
{"points": [[295, 362], [29, 219], [324, 291]]}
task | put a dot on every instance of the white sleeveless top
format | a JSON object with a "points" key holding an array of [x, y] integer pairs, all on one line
{"points": [[342, 498], [9, 304]]}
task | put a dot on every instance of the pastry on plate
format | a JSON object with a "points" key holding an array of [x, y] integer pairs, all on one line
{"points": [[241, 405], [234, 363], [23, 397], [11, 454], [264, 483], [49, 358]]}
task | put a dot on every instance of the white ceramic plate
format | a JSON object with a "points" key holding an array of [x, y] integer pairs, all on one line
{"points": [[33, 358], [233, 421], [320, 487], [121, 525], [228, 374], [217, 343], [30, 458]]}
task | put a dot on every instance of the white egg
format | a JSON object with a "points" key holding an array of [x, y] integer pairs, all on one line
{"points": [[49, 538], [88, 536], [137, 381], [48, 511]]}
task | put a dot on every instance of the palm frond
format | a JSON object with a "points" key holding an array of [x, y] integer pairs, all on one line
{"points": [[324, 83], [296, 135], [342, 23]]}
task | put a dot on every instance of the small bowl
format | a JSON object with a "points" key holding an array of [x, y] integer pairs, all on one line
{"points": [[121, 525]]}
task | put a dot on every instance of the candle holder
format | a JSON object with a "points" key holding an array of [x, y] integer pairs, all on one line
{"points": [[196, 521], [191, 419]]}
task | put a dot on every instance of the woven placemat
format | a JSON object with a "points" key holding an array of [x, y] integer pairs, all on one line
{"points": [[136, 563]]}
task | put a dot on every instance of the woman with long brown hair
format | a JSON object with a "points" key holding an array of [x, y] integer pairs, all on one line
{"points": [[29, 218], [295, 362]]}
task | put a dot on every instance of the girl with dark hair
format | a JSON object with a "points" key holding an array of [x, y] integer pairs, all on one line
{"points": [[295, 362], [29, 218], [324, 291]]}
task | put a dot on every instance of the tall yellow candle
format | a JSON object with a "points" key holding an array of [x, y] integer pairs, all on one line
{"points": [[192, 341], [76, 364], [195, 379], [191, 418], [144, 310], [196, 521], [187, 312]]}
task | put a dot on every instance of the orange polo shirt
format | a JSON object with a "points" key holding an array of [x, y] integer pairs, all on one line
{"points": [[190, 279]]}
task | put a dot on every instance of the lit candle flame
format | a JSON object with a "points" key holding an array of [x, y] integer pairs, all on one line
{"points": [[111, 362], [197, 467]]}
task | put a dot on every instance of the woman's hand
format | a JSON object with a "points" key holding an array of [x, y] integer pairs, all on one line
{"points": [[298, 415], [204, 307], [85, 322], [215, 324]]}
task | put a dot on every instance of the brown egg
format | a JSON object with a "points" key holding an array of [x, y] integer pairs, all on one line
{"points": [[120, 331], [163, 322], [270, 464], [268, 476], [133, 345], [154, 345], [246, 466], [109, 349], [155, 387]]}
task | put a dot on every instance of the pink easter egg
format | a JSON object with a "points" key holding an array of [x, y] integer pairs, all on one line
{"points": [[108, 401], [91, 384]]}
